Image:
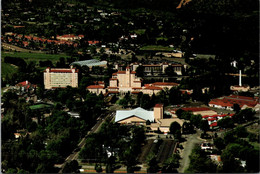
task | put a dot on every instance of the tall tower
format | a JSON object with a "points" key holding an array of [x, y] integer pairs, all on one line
{"points": [[158, 111], [128, 77], [240, 78]]}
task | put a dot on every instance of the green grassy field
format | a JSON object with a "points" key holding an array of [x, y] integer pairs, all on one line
{"points": [[40, 106], [139, 31], [7, 69], [34, 56], [156, 48]]}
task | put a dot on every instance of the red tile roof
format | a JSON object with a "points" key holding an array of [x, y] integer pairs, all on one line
{"points": [[95, 87], [165, 84], [112, 87], [153, 88], [211, 119], [135, 92], [158, 105], [234, 99], [214, 124], [93, 42], [136, 88], [24, 83], [62, 70], [123, 72], [113, 92], [196, 109]]}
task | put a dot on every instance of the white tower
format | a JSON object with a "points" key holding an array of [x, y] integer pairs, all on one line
{"points": [[240, 78]]}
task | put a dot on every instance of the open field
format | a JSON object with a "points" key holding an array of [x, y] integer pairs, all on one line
{"points": [[166, 150], [7, 69], [156, 48], [34, 56]]}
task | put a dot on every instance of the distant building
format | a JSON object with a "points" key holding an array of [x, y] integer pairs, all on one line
{"points": [[90, 63], [196, 111], [69, 37], [60, 78], [25, 86], [124, 81], [227, 102], [155, 69], [127, 81]]}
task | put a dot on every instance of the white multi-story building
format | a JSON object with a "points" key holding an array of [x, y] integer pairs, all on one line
{"points": [[60, 78]]}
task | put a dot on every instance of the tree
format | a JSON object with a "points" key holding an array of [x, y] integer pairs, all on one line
{"points": [[123, 102], [230, 164], [177, 135], [175, 96], [110, 166], [195, 120], [204, 125], [174, 127], [71, 167], [171, 164], [236, 108], [169, 71], [152, 165], [179, 113], [200, 162], [98, 168], [226, 122], [140, 71], [187, 128], [145, 101], [219, 143]]}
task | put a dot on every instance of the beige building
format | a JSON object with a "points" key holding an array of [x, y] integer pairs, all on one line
{"points": [[155, 69], [124, 81], [127, 81], [60, 78]]}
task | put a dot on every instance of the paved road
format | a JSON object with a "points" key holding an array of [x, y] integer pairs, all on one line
{"points": [[94, 129], [185, 153]]}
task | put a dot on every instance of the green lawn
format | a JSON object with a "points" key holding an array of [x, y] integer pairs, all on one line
{"points": [[40, 106], [156, 48], [34, 56], [7, 69], [139, 31]]}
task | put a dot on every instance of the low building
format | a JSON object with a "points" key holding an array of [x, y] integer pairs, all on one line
{"points": [[69, 37], [60, 78], [213, 119], [243, 88], [156, 69], [97, 89], [227, 102], [90, 63], [139, 115], [135, 116], [25, 86], [196, 111]]}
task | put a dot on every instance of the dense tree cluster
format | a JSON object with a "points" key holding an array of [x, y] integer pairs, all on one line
{"points": [[234, 148], [124, 143]]}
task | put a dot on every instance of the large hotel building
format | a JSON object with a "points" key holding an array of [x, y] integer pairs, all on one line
{"points": [[60, 78]]}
